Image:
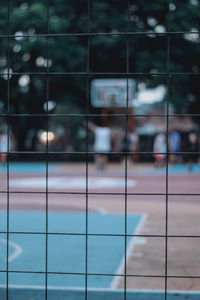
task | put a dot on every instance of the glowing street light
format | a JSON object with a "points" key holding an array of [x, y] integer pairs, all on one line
{"points": [[47, 136]]}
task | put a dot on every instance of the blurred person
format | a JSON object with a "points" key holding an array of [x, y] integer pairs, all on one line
{"points": [[117, 138], [160, 147], [102, 144], [134, 145], [191, 147], [130, 144], [4, 147], [174, 146]]}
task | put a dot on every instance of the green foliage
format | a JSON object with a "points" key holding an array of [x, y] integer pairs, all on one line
{"points": [[147, 53]]}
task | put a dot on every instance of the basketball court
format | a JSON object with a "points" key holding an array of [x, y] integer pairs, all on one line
{"points": [[146, 214]]}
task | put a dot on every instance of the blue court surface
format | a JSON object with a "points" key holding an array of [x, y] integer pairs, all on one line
{"points": [[28, 167], [67, 253], [23, 293], [40, 167]]}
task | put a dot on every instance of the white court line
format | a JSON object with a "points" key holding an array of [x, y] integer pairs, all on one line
{"points": [[69, 182], [64, 288], [17, 249], [130, 248]]}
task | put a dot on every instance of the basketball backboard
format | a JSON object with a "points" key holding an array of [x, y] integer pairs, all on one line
{"points": [[112, 92]]}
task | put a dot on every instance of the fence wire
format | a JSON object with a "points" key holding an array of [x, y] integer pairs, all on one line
{"points": [[88, 153]]}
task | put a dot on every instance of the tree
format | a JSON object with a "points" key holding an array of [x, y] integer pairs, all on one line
{"points": [[116, 53]]}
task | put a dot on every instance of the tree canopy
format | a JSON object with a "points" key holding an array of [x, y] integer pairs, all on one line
{"points": [[108, 50]]}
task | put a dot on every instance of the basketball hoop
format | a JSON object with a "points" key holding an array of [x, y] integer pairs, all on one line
{"points": [[112, 92]]}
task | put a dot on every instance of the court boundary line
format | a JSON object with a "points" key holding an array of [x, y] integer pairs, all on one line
{"points": [[131, 245], [64, 288]]}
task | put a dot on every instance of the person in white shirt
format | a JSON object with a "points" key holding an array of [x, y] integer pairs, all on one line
{"points": [[159, 149], [102, 144]]}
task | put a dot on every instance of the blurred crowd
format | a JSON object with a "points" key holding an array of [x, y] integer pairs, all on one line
{"points": [[119, 141], [180, 150]]}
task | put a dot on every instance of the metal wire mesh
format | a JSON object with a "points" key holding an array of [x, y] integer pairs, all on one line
{"points": [[88, 153]]}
